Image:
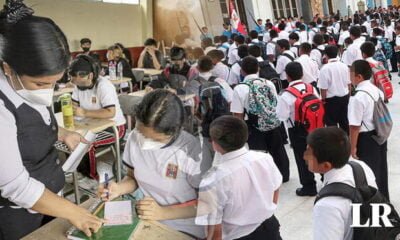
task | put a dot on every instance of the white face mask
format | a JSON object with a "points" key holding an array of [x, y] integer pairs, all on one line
{"points": [[39, 97], [147, 143]]}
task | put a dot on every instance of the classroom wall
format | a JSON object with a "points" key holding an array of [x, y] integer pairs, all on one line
{"points": [[103, 23]]}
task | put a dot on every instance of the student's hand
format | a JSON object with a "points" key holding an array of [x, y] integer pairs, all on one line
{"points": [[148, 209], [354, 153], [112, 190], [79, 112], [85, 221], [72, 139]]}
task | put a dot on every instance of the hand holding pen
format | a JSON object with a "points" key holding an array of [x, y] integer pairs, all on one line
{"points": [[109, 190]]}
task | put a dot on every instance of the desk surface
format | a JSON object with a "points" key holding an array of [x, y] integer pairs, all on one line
{"points": [[149, 230], [148, 71], [91, 124], [119, 81], [142, 93], [61, 91]]}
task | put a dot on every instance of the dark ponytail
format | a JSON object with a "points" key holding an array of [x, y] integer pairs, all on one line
{"points": [[33, 46]]}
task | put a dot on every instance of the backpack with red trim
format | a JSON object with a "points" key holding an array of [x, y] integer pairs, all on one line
{"points": [[309, 109], [381, 79]]}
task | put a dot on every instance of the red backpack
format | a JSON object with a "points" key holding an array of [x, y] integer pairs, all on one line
{"points": [[309, 109], [382, 79]]}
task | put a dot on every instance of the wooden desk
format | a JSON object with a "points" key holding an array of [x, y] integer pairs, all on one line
{"points": [[118, 82], [148, 71], [149, 230]]}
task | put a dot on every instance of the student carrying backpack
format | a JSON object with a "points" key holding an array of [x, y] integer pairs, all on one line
{"points": [[267, 71], [386, 48], [364, 195], [309, 109], [381, 79]]}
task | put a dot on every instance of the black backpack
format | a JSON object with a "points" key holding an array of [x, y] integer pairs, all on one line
{"points": [[365, 195], [212, 103], [267, 71], [263, 48]]}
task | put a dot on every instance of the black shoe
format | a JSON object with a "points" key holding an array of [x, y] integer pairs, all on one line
{"points": [[301, 192]]}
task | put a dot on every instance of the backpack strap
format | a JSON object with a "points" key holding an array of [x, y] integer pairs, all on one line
{"points": [[288, 56], [296, 92], [366, 93], [212, 79], [337, 189], [359, 175]]}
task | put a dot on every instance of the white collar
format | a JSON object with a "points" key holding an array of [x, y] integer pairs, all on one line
{"points": [[251, 76], [333, 60], [260, 59], [295, 82], [232, 155], [205, 75]]}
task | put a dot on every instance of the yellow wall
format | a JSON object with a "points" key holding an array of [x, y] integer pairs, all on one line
{"points": [[103, 23]]}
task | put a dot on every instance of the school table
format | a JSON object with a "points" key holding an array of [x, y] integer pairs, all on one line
{"points": [[149, 230], [118, 82], [148, 73]]}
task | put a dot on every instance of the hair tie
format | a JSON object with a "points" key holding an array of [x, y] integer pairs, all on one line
{"points": [[15, 10]]}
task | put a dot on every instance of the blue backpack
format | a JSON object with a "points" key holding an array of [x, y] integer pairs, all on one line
{"points": [[386, 48]]}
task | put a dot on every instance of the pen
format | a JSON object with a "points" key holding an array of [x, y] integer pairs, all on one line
{"points": [[106, 183]]}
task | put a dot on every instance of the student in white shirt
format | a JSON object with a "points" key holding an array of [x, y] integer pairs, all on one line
{"points": [[313, 30], [360, 114], [297, 134], [328, 152], [303, 35], [271, 140], [318, 51], [224, 45], [334, 83], [310, 67], [286, 57], [233, 50], [353, 51], [207, 45], [94, 97], [220, 70], [397, 46], [390, 36], [164, 162], [239, 195], [343, 34], [235, 76], [283, 34], [294, 43], [271, 46]]}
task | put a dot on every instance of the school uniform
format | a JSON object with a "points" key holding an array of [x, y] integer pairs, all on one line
{"points": [[397, 52], [285, 111], [310, 69], [295, 48], [332, 216], [335, 78], [237, 192], [233, 54], [353, 52], [169, 174], [284, 60], [360, 113], [29, 161], [271, 45], [103, 95], [224, 48], [266, 37], [220, 70], [227, 90], [234, 75], [271, 141], [283, 35], [316, 55], [303, 35], [343, 36], [311, 34]]}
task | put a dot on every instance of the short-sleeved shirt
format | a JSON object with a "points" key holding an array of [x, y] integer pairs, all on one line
{"points": [[353, 52], [220, 70], [234, 74], [335, 78], [271, 46], [316, 55], [102, 95], [238, 192], [233, 54], [282, 62], [170, 175], [310, 68], [343, 36]]}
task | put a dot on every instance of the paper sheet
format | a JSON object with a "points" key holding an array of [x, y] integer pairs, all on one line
{"points": [[118, 213], [76, 156]]}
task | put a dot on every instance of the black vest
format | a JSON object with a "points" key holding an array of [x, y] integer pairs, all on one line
{"points": [[36, 145]]}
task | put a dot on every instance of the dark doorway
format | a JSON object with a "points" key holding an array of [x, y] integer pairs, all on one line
{"points": [[307, 11]]}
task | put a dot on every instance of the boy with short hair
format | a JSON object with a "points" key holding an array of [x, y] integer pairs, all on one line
{"points": [[220, 70], [238, 196], [294, 43], [286, 57], [310, 67]]}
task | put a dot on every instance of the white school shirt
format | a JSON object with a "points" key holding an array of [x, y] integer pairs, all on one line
{"points": [[389, 33], [397, 42], [233, 54], [283, 35], [335, 78], [295, 48], [332, 216], [285, 108], [271, 46], [266, 37], [234, 74], [228, 92], [238, 191], [303, 36], [310, 68], [15, 183], [353, 52], [170, 175], [240, 100], [208, 49], [368, 26], [311, 34], [361, 106], [316, 55], [343, 36], [220, 70], [282, 62], [102, 95]]}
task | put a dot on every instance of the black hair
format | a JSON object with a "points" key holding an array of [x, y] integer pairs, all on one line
{"points": [[273, 34], [177, 53], [243, 51], [330, 144], [150, 42], [240, 39], [205, 64], [363, 29], [298, 24], [223, 38], [348, 40], [322, 29], [216, 54], [362, 67], [305, 47], [253, 34], [229, 132], [318, 39], [233, 36], [206, 42], [32, 46], [326, 38], [163, 111], [355, 31], [313, 24], [250, 65], [85, 40], [283, 43], [254, 51], [84, 63], [294, 36], [217, 39], [368, 48], [331, 51], [294, 70], [377, 31], [281, 26], [302, 27]]}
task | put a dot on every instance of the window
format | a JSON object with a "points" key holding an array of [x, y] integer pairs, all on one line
{"points": [[122, 1], [225, 11], [284, 8]]}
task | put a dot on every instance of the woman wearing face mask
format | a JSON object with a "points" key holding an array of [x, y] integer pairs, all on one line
{"points": [[94, 97], [30, 174], [164, 162], [116, 56]]}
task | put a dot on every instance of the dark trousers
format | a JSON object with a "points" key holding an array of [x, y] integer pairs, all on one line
{"points": [[272, 142], [298, 136], [397, 60], [336, 112], [393, 60], [16, 223], [375, 156], [268, 230]]}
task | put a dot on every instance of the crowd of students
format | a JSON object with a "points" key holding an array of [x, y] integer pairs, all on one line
{"points": [[314, 86]]}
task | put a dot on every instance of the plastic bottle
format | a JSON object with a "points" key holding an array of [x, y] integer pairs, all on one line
{"points": [[120, 71], [112, 69], [67, 111]]}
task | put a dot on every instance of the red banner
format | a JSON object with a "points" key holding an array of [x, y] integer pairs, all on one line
{"points": [[235, 19]]}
